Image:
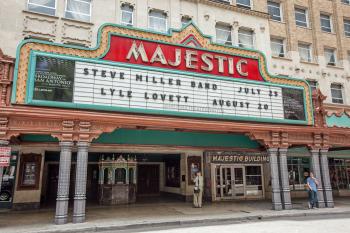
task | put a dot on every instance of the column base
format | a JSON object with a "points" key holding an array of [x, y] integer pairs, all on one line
{"points": [[59, 220], [288, 206], [79, 219], [276, 206], [321, 205], [330, 204]]}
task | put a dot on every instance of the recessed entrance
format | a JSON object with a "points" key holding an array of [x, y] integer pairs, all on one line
{"points": [[237, 182], [148, 180]]}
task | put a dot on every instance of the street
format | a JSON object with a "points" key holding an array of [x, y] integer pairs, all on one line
{"points": [[313, 224]]}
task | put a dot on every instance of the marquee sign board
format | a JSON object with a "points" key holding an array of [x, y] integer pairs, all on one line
{"points": [[137, 74]]}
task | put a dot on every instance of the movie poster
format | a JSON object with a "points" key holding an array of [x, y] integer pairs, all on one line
{"points": [[194, 165]]}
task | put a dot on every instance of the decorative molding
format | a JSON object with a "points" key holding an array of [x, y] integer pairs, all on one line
{"points": [[45, 28], [7, 64], [76, 35]]}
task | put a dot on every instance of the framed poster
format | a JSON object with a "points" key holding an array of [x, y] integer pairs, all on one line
{"points": [[172, 173], [194, 164], [29, 173]]}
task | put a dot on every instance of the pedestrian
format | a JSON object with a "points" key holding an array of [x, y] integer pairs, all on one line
{"points": [[198, 190], [312, 184]]}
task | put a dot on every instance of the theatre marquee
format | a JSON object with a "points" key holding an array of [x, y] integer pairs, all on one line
{"points": [[182, 73]]}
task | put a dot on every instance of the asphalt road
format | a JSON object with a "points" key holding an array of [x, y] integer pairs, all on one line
{"points": [[313, 224]]}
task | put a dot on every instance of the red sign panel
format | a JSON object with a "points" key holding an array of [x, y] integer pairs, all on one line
{"points": [[156, 54], [5, 155]]}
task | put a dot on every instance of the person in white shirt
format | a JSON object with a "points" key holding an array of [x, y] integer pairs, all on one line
{"points": [[198, 190]]}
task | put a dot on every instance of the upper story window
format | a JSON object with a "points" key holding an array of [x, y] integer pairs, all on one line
{"points": [[346, 2], [305, 52], [245, 38], [185, 20], [313, 84], [278, 47], [330, 57], [78, 9], [347, 27], [274, 9], [42, 6], [301, 17], [127, 14], [158, 21], [326, 24], [223, 34], [244, 3], [337, 93]]}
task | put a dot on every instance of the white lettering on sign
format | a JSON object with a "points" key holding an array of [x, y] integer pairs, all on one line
{"points": [[5, 154], [139, 89]]}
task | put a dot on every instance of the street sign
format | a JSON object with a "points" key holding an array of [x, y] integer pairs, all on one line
{"points": [[5, 154]]}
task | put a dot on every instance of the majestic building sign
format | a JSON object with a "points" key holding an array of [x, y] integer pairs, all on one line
{"points": [[228, 157], [135, 74]]}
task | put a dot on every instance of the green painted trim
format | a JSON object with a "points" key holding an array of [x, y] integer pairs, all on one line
{"points": [[149, 111], [38, 138], [157, 137], [341, 121], [170, 33]]}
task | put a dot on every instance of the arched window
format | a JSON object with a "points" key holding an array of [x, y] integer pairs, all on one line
{"points": [[120, 176]]}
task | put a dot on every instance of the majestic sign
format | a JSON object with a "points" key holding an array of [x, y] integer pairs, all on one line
{"points": [[136, 74], [5, 155]]}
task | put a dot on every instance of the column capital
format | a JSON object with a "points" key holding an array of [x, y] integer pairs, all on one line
{"points": [[83, 144], [66, 144], [324, 151], [283, 150], [314, 150], [272, 150]]}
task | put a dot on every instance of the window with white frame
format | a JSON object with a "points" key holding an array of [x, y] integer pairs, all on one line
{"points": [[42, 6], [223, 34], [127, 15], [274, 9], [313, 84], [347, 27], [301, 17], [278, 47], [245, 38], [347, 2], [185, 20], [326, 24], [305, 52], [337, 93], [243, 3], [158, 21], [330, 56], [78, 10]]}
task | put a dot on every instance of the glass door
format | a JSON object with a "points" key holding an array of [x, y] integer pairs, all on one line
{"points": [[238, 182], [229, 182]]}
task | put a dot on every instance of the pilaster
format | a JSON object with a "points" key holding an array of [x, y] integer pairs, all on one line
{"points": [[275, 183], [285, 190], [315, 165], [327, 188]]}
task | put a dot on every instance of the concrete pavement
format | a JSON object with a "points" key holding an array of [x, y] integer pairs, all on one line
{"points": [[102, 218]]}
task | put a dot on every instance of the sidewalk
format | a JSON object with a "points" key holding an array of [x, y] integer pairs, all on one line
{"points": [[101, 218]]}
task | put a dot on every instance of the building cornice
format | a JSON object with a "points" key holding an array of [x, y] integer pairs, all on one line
{"points": [[234, 8]]}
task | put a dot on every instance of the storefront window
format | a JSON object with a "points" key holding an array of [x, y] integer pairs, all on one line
{"points": [[253, 177], [298, 170], [339, 172]]}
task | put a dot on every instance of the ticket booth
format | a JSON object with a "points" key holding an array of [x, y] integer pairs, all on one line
{"points": [[117, 183]]}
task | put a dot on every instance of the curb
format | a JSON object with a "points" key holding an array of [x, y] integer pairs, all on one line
{"points": [[183, 223]]}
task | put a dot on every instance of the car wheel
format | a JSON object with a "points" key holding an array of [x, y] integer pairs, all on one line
{"points": [[5, 196]]}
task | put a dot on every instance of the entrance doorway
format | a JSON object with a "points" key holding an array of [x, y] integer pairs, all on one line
{"points": [[148, 180], [237, 182]]}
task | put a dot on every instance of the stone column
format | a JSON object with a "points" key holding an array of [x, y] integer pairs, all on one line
{"points": [[327, 188], [80, 183], [315, 168], [275, 183], [2, 143], [285, 190], [61, 216]]}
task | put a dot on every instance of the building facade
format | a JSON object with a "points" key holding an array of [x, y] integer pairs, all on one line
{"points": [[113, 102]]}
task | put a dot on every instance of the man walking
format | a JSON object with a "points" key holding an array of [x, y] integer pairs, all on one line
{"points": [[312, 184], [198, 190]]}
